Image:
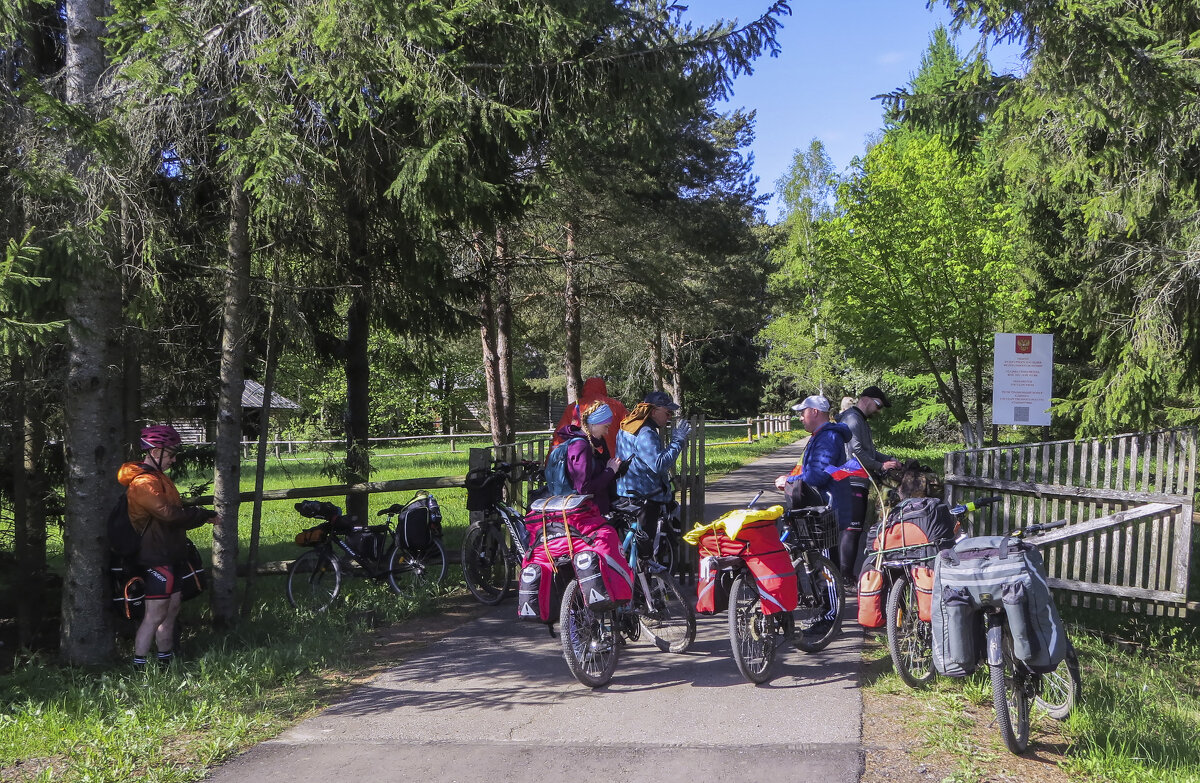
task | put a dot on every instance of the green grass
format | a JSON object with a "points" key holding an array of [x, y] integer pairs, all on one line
{"points": [[1138, 722], [233, 687]]}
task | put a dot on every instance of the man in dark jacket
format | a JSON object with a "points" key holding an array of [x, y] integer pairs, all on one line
{"points": [[862, 447]]}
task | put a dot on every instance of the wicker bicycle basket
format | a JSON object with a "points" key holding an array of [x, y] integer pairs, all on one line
{"points": [[813, 527]]}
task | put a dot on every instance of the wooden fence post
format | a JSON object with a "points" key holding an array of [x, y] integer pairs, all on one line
{"points": [[749, 430], [452, 438]]}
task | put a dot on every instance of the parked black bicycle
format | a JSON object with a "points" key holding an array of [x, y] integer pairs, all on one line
{"points": [[405, 551], [494, 546]]}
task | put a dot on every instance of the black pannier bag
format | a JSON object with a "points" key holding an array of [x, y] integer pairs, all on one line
{"points": [[484, 489], [368, 543], [194, 580], [420, 522]]}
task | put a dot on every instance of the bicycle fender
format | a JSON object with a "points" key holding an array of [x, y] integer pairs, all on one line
{"points": [[995, 644]]}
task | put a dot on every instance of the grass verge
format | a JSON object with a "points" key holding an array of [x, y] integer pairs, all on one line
{"points": [[230, 689], [1138, 722]]}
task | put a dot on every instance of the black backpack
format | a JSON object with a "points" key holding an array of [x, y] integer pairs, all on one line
{"points": [[124, 541]]}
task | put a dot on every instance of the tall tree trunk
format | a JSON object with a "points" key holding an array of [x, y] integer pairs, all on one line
{"points": [[228, 477], [675, 342], [508, 406], [35, 511], [358, 369], [491, 364], [131, 367], [572, 352], [264, 426], [656, 359], [979, 432], [22, 544], [93, 394]]}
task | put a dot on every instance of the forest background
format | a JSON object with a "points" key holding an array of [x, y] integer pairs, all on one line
{"points": [[396, 211]]}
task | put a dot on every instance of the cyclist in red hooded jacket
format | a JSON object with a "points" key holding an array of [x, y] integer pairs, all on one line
{"points": [[158, 514]]}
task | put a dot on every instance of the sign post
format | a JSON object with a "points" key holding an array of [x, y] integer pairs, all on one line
{"points": [[1023, 379]]}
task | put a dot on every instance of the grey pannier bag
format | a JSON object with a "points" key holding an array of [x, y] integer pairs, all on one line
{"points": [[1001, 572]]}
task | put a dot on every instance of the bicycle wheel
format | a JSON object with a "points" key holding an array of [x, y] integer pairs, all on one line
{"points": [[313, 581], [1011, 697], [749, 635], [1062, 688], [909, 640], [409, 571], [818, 616], [485, 563], [664, 553], [670, 621], [589, 639]]}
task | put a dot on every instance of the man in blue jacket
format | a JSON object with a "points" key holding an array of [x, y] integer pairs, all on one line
{"points": [[645, 461], [825, 451]]}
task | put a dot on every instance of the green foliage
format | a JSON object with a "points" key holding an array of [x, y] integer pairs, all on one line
{"points": [[1099, 138], [921, 268]]}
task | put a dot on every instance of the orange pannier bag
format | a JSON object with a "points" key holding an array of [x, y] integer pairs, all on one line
{"points": [[923, 586], [870, 598]]}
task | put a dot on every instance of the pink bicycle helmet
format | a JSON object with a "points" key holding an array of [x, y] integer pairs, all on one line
{"points": [[160, 436]]}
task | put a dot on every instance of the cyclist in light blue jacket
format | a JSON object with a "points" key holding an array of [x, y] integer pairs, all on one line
{"points": [[646, 462]]}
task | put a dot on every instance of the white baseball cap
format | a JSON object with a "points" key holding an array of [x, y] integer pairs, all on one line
{"points": [[815, 401]]}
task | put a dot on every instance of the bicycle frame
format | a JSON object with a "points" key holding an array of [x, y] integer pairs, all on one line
{"points": [[629, 549], [515, 524]]}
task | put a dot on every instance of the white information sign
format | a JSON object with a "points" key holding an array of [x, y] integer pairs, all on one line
{"points": [[1023, 379]]}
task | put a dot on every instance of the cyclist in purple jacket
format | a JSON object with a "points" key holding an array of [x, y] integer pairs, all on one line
{"points": [[591, 469]]}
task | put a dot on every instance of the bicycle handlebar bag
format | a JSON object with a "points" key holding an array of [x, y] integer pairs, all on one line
{"points": [[998, 572], [913, 523], [484, 487]]}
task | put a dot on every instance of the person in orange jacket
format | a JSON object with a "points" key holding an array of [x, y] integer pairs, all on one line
{"points": [[157, 513], [594, 390]]}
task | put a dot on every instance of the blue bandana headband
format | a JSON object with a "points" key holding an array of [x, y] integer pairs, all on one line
{"points": [[602, 415]]}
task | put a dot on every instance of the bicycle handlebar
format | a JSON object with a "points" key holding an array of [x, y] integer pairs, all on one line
{"points": [[1040, 527], [974, 505]]}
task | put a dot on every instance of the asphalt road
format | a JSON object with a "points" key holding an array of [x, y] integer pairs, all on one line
{"points": [[493, 701]]}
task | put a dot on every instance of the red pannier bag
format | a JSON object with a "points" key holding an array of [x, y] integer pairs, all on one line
{"points": [[758, 544], [923, 586], [712, 588], [555, 536], [870, 598]]}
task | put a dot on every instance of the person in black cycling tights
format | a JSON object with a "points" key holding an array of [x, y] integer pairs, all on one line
{"points": [[158, 514]]}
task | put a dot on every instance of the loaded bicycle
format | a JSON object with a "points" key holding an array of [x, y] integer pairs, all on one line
{"points": [[905, 556], [405, 551], [747, 572], [591, 640], [494, 546], [1016, 686]]}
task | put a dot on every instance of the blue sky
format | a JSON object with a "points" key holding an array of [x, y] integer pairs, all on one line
{"points": [[836, 55]]}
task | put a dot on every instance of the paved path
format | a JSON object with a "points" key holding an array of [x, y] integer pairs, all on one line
{"points": [[493, 701]]}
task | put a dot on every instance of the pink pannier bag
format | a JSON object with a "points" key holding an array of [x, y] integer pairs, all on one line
{"points": [[560, 528]]}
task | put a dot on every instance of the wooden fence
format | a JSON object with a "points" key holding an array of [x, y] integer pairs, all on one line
{"points": [[1128, 500], [756, 427]]}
